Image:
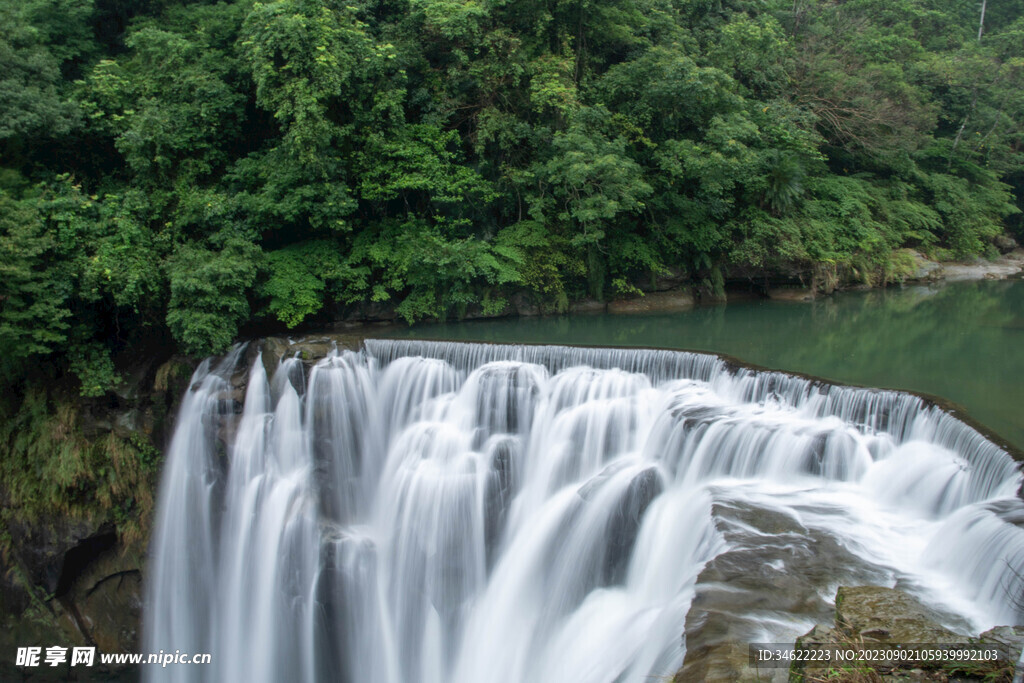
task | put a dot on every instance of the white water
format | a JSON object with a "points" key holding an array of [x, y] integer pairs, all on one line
{"points": [[433, 512]]}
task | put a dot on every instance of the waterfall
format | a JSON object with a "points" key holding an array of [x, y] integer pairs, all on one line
{"points": [[425, 512]]}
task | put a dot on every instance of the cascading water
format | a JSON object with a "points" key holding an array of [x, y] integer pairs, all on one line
{"points": [[433, 512]]}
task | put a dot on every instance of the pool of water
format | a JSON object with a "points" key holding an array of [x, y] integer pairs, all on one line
{"points": [[962, 341]]}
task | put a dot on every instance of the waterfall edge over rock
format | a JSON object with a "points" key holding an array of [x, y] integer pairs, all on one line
{"points": [[435, 511]]}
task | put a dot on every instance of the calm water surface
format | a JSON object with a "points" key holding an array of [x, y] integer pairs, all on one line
{"points": [[962, 341]]}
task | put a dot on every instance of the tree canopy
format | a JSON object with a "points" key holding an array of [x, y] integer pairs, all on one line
{"points": [[184, 169]]}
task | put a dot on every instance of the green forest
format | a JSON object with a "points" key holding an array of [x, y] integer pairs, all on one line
{"points": [[173, 174]]}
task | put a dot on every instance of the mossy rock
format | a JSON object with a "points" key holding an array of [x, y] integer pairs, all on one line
{"points": [[882, 614]]}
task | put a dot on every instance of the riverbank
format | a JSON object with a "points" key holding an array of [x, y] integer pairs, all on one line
{"points": [[677, 291], [803, 286]]}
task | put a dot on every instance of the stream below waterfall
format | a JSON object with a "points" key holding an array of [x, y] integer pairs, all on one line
{"points": [[434, 512]]}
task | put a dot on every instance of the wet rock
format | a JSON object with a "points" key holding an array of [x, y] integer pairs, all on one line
{"points": [[111, 610], [41, 547], [127, 422], [309, 350], [273, 350], [74, 585], [672, 278], [889, 615], [726, 662], [624, 524], [1008, 265], [133, 383], [655, 302], [1004, 243], [791, 294], [524, 304], [500, 487], [587, 306], [925, 270], [885, 617], [773, 566], [1009, 639]]}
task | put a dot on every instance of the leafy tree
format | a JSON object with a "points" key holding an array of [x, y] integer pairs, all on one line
{"points": [[208, 289], [183, 169], [31, 102], [34, 288]]}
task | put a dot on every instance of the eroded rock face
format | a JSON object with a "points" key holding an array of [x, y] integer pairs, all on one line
{"points": [[76, 586], [889, 615], [524, 305], [72, 579], [791, 293], [875, 616], [773, 566], [654, 302], [1009, 637], [587, 306], [1006, 266], [109, 602], [1004, 243], [925, 270], [308, 349], [671, 278]]}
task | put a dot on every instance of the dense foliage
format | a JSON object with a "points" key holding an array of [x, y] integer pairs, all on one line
{"points": [[185, 169]]}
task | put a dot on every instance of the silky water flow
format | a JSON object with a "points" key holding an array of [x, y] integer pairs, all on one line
{"points": [[434, 512]]}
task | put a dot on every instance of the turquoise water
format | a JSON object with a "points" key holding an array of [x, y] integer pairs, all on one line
{"points": [[961, 341]]}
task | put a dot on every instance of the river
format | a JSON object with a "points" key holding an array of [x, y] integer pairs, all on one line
{"points": [[961, 341]]}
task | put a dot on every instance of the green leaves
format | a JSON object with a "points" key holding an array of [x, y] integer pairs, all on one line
{"points": [[208, 294], [417, 162], [552, 85], [297, 276], [453, 19], [785, 182], [593, 179], [306, 57], [431, 273], [667, 94], [34, 285], [31, 99], [91, 363]]}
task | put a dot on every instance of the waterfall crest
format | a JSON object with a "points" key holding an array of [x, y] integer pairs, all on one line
{"points": [[428, 512]]}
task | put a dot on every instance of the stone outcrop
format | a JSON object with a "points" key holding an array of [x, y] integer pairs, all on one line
{"points": [[588, 306], [654, 302], [889, 615], [791, 294], [1008, 265], [772, 565], [76, 580], [925, 270], [879, 617], [1004, 243]]}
